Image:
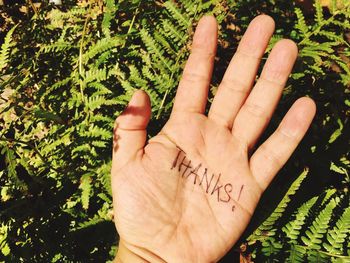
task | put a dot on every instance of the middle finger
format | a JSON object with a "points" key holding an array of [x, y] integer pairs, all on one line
{"points": [[241, 72]]}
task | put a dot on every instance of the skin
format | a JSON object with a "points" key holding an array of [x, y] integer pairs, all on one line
{"points": [[160, 215]]}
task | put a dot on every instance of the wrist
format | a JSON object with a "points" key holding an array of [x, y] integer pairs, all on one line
{"points": [[126, 254]]}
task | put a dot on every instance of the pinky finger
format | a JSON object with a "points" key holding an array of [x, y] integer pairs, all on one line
{"points": [[269, 158]]}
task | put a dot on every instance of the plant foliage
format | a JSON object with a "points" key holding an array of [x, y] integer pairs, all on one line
{"points": [[67, 71]]}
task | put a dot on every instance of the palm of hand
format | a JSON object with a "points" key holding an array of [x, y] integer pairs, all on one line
{"points": [[187, 196], [190, 192]]}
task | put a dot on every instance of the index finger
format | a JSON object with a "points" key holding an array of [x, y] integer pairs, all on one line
{"points": [[191, 95]]}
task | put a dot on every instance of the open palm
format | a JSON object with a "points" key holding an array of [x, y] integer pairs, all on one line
{"points": [[188, 194]]}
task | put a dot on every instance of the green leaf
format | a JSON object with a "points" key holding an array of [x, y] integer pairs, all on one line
{"points": [[5, 250], [337, 132], [85, 186], [6, 48]]}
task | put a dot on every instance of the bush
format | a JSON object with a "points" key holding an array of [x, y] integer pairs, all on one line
{"points": [[67, 72]]}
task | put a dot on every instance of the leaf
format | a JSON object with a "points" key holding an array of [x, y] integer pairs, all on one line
{"points": [[314, 234], [338, 234], [5, 250], [85, 186], [293, 227], [267, 228], [47, 116], [337, 132], [6, 48]]}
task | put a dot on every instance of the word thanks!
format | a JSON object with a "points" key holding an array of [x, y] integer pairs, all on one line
{"points": [[210, 181]]}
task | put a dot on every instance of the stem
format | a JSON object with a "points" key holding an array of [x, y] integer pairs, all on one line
{"points": [[324, 252], [33, 7], [133, 19], [81, 68]]}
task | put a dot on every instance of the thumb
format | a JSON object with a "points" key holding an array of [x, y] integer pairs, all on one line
{"points": [[129, 136]]}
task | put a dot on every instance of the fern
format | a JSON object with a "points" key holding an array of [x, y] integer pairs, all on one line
{"points": [[266, 229], [270, 247], [4, 246], [96, 102], [101, 46], [183, 20], [297, 254], [103, 175], [316, 256], [314, 234], [94, 74], [337, 236], [318, 41], [56, 130], [156, 50], [56, 47], [85, 186], [319, 12], [292, 229], [5, 48], [97, 132], [307, 232], [173, 31], [109, 14], [301, 24]]}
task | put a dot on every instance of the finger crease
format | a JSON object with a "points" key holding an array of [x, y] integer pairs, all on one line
{"points": [[270, 81], [236, 85], [256, 110]]}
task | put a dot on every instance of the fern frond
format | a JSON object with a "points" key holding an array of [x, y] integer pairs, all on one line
{"points": [[108, 15], [5, 48], [334, 37], [96, 102], [319, 12], [338, 234], [56, 47], [292, 229], [101, 46], [172, 31], [191, 7], [95, 74], [98, 132], [100, 89], [104, 176], [182, 19], [328, 195], [137, 78], [154, 48], [270, 247], [301, 24], [267, 227], [11, 164], [342, 64], [80, 149], [58, 17], [86, 187], [89, 223], [316, 256], [297, 254], [165, 43], [107, 120], [314, 235], [61, 84]]}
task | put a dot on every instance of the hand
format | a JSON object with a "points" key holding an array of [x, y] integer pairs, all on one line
{"points": [[188, 194]]}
